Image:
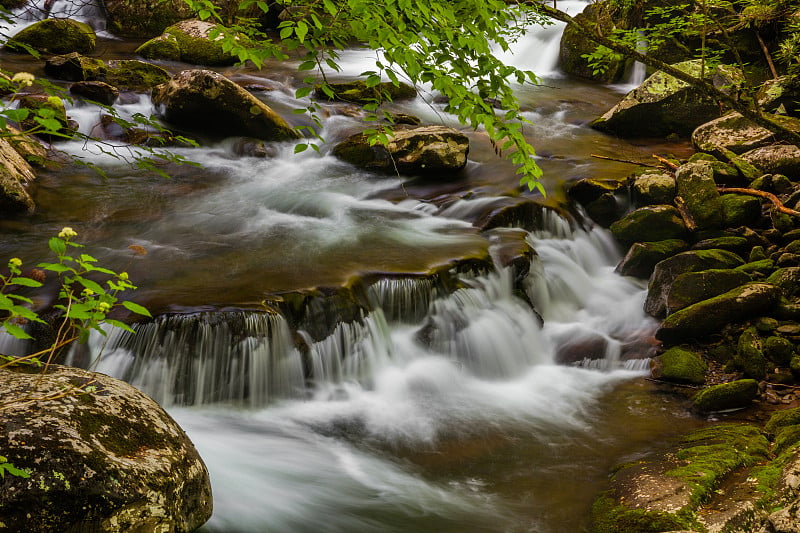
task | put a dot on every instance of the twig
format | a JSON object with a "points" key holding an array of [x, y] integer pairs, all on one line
{"points": [[623, 161], [24, 402], [666, 162], [687, 217], [763, 194], [767, 55]]}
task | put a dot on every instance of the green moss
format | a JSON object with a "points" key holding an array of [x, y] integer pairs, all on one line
{"points": [[786, 439], [610, 517], [683, 366], [764, 266], [781, 419], [779, 350], [130, 74], [648, 224], [358, 92], [199, 50], [724, 396], [164, 47], [56, 36], [119, 436]]}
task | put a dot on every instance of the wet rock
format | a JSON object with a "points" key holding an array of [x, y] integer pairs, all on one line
{"points": [[247, 147], [55, 36], [668, 270], [15, 173], [774, 183], [642, 257], [709, 316], [652, 187], [787, 279], [735, 133], [724, 173], [779, 95], [31, 149], [209, 103], [779, 350], [193, 40], [679, 365], [428, 150], [97, 91], [135, 75], [763, 267], [738, 245], [663, 105], [144, 18], [357, 92], [649, 224], [733, 395], [526, 213], [510, 248], [598, 198], [739, 210], [696, 186], [750, 355], [75, 67], [776, 159], [692, 287], [100, 455]]}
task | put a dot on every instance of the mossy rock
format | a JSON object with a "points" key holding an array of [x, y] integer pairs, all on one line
{"points": [[75, 67], [734, 133], [653, 187], [750, 355], [787, 279], [642, 257], [781, 419], [696, 186], [15, 174], [649, 224], [144, 18], [738, 245], [776, 159], [54, 104], [56, 36], [357, 92], [779, 350], [724, 173], [669, 269], [164, 47], [709, 316], [692, 287], [764, 267], [134, 75], [679, 365], [732, 395], [740, 210], [196, 47]]}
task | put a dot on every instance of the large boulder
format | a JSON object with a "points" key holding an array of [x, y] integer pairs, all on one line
{"points": [[692, 287], [776, 159], [75, 67], [207, 102], [15, 173], [739, 210], [663, 105], [698, 190], [189, 41], [668, 270], [679, 365], [99, 456], [732, 395], [734, 133], [410, 150], [648, 224], [653, 186], [134, 75], [55, 36], [144, 18], [642, 257], [709, 316]]}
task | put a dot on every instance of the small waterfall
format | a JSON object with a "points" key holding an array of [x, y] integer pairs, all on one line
{"points": [[403, 299], [233, 357], [87, 11]]}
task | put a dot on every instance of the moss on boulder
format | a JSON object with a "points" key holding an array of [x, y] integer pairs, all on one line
{"points": [[652, 187], [679, 365], [55, 36], [357, 92], [691, 287], [193, 40], [734, 133], [709, 316], [75, 67], [649, 224], [732, 395], [750, 355], [134, 75], [144, 18], [696, 186], [642, 257], [739, 210]]}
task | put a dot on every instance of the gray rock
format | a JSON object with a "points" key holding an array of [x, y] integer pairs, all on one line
{"points": [[776, 159], [696, 186], [649, 224], [735, 133]]}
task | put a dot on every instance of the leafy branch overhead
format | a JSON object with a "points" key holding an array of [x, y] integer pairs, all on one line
{"points": [[448, 47]]}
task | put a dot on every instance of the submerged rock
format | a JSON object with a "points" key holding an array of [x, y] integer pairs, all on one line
{"points": [[427, 150], [663, 105], [207, 102], [55, 36], [100, 456]]}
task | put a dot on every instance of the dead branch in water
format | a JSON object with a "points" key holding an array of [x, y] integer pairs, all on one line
{"points": [[607, 158], [762, 194]]}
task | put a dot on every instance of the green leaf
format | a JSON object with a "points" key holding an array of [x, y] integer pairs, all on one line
{"points": [[300, 148], [120, 325], [301, 30], [25, 282], [16, 115], [58, 246], [16, 331], [91, 285], [136, 308]]}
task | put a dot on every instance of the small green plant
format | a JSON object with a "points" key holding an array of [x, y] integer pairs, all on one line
{"points": [[5, 466], [87, 294]]}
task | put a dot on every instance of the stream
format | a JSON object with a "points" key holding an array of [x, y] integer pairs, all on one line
{"points": [[438, 410]]}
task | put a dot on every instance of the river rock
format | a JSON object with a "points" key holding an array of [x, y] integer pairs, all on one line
{"points": [[709, 316], [598, 198], [75, 67], [776, 159], [779, 94], [357, 92], [96, 91], [733, 132], [668, 270], [732, 395], [428, 150], [642, 257], [207, 102], [15, 173], [101, 456], [696, 186], [724, 173], [653, 186], [778, 350], [648, 224], [679, 365], [739, 210], [750, 354], [787, 279], [193, 42], [56, 36], [144, 18], [732, 243], [663, 104], [135, 75], [692, 287]]}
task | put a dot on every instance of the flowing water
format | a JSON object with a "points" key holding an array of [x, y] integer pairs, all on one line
{"points": [[439, 406]]}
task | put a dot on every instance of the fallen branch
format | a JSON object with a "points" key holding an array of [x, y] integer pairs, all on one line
{"points": [[762, 194], [687, 217], [666, 162], [623, 160]]}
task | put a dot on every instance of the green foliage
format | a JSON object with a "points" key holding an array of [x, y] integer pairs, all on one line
{"points": [[441, 44], [5, 466], [87, 294]]}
